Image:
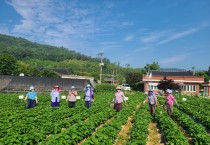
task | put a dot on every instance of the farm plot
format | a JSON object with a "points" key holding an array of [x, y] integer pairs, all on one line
{"points": [[101, 124]]}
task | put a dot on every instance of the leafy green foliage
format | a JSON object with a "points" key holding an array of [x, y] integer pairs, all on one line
{"points": [[8, 64], [24, 49], [105, 88], [134, 80], [206, 74], [153, 66]]}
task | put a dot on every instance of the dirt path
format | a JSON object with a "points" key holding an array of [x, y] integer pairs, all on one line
{"points": [[122, 136], [154, 137], [93, 133]]}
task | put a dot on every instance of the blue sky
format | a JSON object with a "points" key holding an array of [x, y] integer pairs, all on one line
{"points": [[175, 33]]}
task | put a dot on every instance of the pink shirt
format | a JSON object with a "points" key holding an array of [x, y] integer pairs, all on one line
{"points": [[170, 99], [72, 96], [118, 97]]}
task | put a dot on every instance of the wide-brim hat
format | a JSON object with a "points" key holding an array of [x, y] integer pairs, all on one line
{"points": [[169, 91], [118, 88], [31, 88], [56, 86]]}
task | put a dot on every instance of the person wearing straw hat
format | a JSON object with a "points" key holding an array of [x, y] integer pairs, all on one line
{"points": [[55, 96], [88, 96], [118, 99], [31, 96], [170, 100], [152, 100], [72, 97]]}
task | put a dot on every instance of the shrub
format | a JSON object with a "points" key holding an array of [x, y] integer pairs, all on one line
{"points": [[105, 88]]}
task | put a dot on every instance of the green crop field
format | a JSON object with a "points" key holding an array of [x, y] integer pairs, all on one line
{"points": [[101, 125]]}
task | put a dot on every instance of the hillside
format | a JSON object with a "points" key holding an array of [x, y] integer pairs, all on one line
{"points": [[32, 56], [23, 49]]}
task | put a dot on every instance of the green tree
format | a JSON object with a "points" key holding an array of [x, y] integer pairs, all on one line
{"points": [[204, 74], [153, 66], [49, 73], [168, 84], [134, 80], [8, 64]]}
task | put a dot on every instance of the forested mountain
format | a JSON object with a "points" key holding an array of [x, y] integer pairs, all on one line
{"points": [[24, 49], [29, 57]]}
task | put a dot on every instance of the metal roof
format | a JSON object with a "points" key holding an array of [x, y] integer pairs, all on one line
{"points": [[171, 73]]}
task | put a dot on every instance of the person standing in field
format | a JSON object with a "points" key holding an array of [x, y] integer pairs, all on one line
{"points": [[152, 99], [118, 99], [88, 96], [55, 96], [31, 96], [72, 97], [170, 100]]}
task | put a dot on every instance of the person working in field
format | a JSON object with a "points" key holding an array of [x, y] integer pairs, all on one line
{"points": [[55, 96], [31, 96], [88, 96], [118, 99], [152, 99], [170, 100], [72, 97]]}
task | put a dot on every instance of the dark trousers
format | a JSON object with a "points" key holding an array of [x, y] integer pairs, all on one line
{"points": [[71, 104], [118, 107], [152, 108], [88, 104], [30, 104], [56, 103], [169, 109]]}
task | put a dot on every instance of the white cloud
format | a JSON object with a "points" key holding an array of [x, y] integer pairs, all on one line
{"points": [[153, 36], [145, 48], [178, 35], [57, 20], [173, 59], [165, 36], [129, 38]]}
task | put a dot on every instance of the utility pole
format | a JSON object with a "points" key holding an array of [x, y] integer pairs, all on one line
{"points": [[193, 69], [101, 64]]}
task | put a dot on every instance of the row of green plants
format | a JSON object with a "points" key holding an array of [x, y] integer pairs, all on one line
{"points": [[139, 131], [43, 119], [194, 112], [169, 128], [44, 125], [108, 133], [63, 125], [194, 130]]}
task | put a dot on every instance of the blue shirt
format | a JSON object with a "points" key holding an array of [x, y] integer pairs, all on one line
{"points": [[31, 95]]}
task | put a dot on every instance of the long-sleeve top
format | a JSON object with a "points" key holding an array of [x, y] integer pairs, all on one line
{"points": [[72, 95], [119, 97], [170, 99], [151, 98], [55, 94], [88, 95]]}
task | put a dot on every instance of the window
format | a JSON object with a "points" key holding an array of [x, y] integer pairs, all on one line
{"points": [[190, 88], [153, 87]]}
